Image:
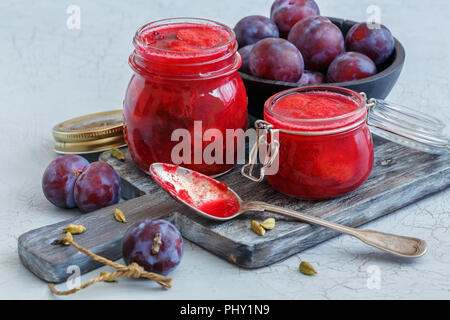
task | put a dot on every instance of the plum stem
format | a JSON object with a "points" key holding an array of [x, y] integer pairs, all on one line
{"points": [[77, 173], [156, 243]]}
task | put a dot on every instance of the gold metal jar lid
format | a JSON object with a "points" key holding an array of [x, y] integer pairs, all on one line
{"points": [[90, 133]]}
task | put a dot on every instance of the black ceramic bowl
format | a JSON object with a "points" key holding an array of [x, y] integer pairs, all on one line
{"points": [[377, 86]]}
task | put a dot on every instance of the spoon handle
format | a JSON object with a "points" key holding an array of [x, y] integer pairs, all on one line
{"points": [[399, 245]]}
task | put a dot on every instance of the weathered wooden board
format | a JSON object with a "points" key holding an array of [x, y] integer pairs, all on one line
{"points": [[400, 177]]}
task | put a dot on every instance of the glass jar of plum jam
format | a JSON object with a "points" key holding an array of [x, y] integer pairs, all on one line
{"points": [[185, 78], [319, 138]]}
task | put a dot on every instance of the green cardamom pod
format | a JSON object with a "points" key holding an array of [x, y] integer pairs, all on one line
{"points": [[307, 268], [108, 279], [268, 224], [118, 154], [257, 228]]}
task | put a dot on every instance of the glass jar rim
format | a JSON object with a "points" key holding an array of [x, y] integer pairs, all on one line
{"points": [[203, 64], [162, 22], [318, 124]]}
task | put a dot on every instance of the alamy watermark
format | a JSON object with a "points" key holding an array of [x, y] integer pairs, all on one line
{"points": [[213, 146], [374, 279], [74, 19], [74, 280], [374, 19]]}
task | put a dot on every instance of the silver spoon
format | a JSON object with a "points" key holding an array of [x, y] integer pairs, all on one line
{"points": [[215, 200]]}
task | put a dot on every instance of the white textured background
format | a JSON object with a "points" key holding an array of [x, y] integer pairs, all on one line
{"points": [[49, 73]]}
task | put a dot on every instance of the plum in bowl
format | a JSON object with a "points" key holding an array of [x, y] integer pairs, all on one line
{"points": [[377, 86]]}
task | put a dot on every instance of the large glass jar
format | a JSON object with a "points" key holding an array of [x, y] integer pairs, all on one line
{"points": [[185, 78]]}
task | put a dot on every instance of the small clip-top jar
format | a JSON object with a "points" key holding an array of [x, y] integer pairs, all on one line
{"points": [[319, 138], [325, 146], [185, 72]]}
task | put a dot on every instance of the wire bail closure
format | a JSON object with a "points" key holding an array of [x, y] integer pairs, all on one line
{"points": [[263, 148], [370, 103]]}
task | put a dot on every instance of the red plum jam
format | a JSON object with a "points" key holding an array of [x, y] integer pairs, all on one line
{"points": [[185, 70], [325, 146]]}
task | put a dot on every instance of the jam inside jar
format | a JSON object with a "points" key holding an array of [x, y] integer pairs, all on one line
{"points": [[325, 146], [185, 78]]}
